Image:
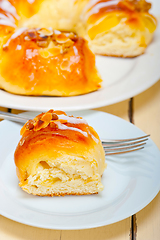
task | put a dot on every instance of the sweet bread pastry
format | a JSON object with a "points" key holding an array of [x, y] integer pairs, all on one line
{"points": [[34, 61], [43, 61], [59, 155], [121, 28]]}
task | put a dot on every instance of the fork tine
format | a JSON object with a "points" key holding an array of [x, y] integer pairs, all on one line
{"points": [[122, 152], [115, 144], [124, 140], [123, 148]]}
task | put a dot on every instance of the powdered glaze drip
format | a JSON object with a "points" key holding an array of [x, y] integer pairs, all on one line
{"points": [[8, 14], [95, 6], [7, 22], [15, 35], [64, 127], [72, 119], [7, 7], [75, 121]]}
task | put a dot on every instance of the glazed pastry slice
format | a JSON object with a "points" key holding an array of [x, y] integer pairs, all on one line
{"points": [[59, 155]]}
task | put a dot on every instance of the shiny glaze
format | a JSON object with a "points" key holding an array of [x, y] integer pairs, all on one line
{"points": [[30, 68]]}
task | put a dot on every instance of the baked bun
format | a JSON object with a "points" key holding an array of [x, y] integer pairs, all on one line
{"points": [[43, 61], [59, 155], [121, 28], [38, 64]]}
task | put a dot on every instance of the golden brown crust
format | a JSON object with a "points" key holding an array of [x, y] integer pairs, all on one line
{"points": [[54, 63], [43, 61]]}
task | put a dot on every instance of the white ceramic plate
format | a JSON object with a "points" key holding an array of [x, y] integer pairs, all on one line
{"points": [[122, 79], [130, 182]]}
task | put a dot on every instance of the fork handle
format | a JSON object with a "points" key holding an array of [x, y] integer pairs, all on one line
{"points": [[13, 117]]}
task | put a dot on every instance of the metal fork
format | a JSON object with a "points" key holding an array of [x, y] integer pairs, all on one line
{"points": [[121, 146], [111, 147]]}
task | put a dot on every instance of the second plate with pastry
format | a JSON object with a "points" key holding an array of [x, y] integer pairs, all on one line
{"points": [[43, 68], [130, 180], [122, 78]]}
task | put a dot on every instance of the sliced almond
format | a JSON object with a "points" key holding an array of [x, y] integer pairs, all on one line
{"points": [[58, 112], [43, 43], [61, 38], [44, 32], [46, 117], [39, 125]]}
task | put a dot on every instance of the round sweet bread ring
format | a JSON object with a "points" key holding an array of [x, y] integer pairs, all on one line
{"points": [[41, 67], [41, 60]]}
